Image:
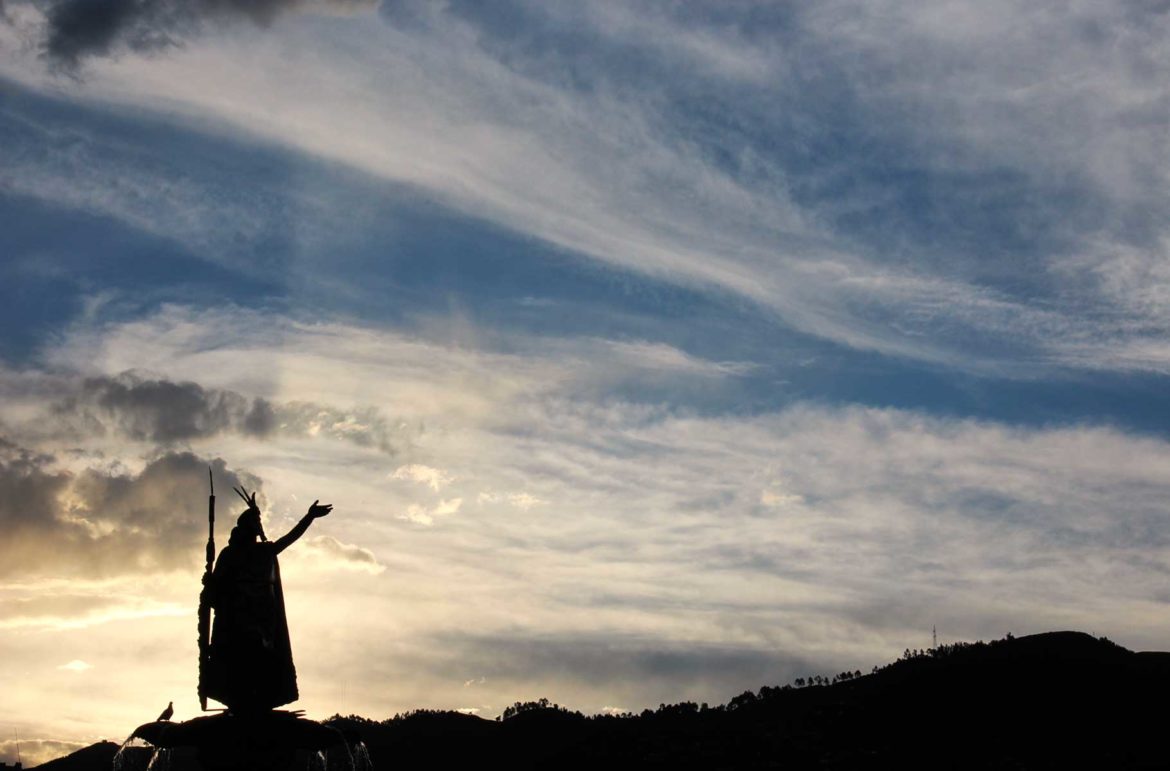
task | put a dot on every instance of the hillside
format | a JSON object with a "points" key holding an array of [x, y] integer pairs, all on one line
{"points": [[100, 755], [1055, 700]]}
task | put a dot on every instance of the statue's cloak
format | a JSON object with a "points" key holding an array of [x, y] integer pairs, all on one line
{"points": [[249, 664]]}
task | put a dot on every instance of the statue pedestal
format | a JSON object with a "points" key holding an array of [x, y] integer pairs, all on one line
{"points": [[264, 741]]}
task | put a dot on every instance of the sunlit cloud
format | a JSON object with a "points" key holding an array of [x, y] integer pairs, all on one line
{"points": [[426, 515], [123, 614], [777, 499], [523, 501], [416, 472], [100, 521], [34, 751], [77, 665]]}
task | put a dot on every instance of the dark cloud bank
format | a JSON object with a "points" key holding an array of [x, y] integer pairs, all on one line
{"points": [[100, 523], [163, 411], [167, 412], [79, 29], [626, 669], [105, 521]]}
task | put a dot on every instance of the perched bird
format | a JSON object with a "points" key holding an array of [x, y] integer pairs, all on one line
{"points": [[166, 713]]}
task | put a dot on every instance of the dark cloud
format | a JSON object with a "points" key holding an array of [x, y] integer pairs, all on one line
{"points": [[163, 411], [77, 29], [27, 490], [657, 666], [101, 523], [167, 412], [344, 552], [364, 426]]}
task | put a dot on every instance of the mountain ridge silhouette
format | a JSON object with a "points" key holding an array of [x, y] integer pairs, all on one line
{"points": [[1050, 700]]}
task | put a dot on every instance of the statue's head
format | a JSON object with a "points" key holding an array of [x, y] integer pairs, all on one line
{"points": [[248, 526]]}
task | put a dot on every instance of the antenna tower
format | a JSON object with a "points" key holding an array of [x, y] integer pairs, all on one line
{"points": [[934, 635]]}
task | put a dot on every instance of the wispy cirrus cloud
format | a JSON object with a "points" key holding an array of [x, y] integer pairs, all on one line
{"points": [[896, 230], [781, 494]]}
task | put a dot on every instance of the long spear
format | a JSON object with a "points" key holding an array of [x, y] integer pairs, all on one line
{"points": [[205, 598]]}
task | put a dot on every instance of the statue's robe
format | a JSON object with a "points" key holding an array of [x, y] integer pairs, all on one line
{"points": [[250, 664]]}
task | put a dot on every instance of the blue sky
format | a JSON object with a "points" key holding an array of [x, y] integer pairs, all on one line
{"points": [[647, 351]]}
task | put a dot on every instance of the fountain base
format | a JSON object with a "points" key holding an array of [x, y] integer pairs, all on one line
{"points": [[263, 741]]}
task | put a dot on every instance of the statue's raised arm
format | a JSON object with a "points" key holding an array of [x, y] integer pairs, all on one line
{"points": [[318, 509]]}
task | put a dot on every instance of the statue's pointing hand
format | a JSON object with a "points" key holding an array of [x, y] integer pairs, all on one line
{"points": [[315, 511]]}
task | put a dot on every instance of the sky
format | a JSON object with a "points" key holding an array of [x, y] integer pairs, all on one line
{"points": [[647, 351]]}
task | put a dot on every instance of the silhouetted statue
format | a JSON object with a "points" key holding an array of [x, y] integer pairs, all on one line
{"points": [[249, 665]]}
